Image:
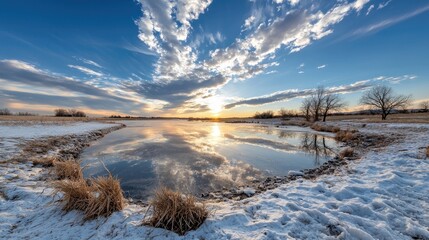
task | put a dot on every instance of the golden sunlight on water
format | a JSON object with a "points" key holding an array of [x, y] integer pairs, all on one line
{"points": [[197, 157]]}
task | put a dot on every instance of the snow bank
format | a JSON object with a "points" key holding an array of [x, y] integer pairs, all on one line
{"points": [[382, 196], [12, 135]]}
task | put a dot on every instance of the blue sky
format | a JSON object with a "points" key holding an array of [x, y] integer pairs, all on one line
{"points": [[206, 58]]}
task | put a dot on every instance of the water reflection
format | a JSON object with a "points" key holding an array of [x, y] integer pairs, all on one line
{"points": [[316, 145], [196, 157]]}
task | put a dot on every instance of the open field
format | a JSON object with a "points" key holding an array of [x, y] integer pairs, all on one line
{"points": [[394, 118]]}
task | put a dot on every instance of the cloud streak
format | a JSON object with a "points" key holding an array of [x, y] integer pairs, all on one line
{"points": [[295, 93]]}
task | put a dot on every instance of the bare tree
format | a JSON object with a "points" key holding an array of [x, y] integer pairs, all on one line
{"points": [[424, 106], [382, 98], [317, 100], [264, 115], [306, 108], [331, 102], [5, 111]]}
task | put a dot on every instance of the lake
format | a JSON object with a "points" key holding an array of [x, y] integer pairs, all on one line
{"points": [[197, 157]]}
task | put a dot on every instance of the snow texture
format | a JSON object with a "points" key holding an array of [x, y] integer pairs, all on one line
{"points": [[385, 195]]}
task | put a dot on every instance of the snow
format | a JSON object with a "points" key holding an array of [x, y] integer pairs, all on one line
{"points": [[382, 196], [249, 191], [11, 135], [44, 130]]}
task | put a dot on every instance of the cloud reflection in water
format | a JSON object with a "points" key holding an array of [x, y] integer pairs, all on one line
{"points": [[196, 157]]}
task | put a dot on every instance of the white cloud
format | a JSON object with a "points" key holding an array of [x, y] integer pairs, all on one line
{"points": [[321, 66], [86, 70], [383, 5], [90, 62], [387, 22], [301, 72], [370, 9], [165, 27], [295, 93]]}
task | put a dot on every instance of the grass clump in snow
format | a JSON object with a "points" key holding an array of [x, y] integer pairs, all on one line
{"points": [[325, 128], [68, 170], [76, 194], [346, 152], [427, 151], [108, 197], [346, 135], [98, 197], [175, 212], [45, 162]]}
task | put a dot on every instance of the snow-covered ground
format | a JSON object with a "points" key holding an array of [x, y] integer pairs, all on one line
{"points": [[385, 195], [11, 134]]}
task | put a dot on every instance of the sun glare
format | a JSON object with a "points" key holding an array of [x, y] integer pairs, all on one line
{"points": [[215, 104]]}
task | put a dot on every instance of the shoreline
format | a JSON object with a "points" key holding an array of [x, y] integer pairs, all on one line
{"points": [[29, 202]]}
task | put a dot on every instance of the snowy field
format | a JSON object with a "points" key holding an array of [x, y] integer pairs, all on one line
{"points": [[385, 195]]}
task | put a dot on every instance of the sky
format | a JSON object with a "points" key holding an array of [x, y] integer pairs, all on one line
{"points": [[214, 58]]}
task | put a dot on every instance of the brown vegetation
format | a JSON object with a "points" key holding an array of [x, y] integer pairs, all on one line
{"points": [[68, 170], [427, 151], [45, 162], [346, 152], [76, 194], [325, 128], [108, 198], [346, 135], [98, 197], [175, 212]]}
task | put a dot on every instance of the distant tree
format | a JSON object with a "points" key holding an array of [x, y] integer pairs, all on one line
{"points": [[317, 99], [264, 115], [25, 114], [424, 106], [5, 111], [382, 98], [306, 108], [283, 113], [331, 102], [76, 113], [60, 112]]}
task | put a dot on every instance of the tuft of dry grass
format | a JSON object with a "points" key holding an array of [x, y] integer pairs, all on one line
{"points": [[45, 162], [101, 197], [427, 151], [324, 128], [347, 152], [346, 136], [108, 198], [77, 194], [68, 170], [175, 212]]}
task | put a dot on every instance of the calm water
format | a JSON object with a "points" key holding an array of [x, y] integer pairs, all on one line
{"points": [[196, 157]]}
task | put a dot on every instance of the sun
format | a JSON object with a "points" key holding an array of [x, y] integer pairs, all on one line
{"points": [[215, 104]]}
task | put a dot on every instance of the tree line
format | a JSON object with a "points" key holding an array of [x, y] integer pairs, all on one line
{"points": [[61, 112], [323, 102]]}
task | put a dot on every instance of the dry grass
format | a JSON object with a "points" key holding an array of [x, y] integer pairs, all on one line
{"points": [[45, 162], [77, 194], [68, 170], [347, 152], [393, 118], [109, 197], [325, 128], [175, 212], [427, 151], [346, 135], [101, 197]]}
